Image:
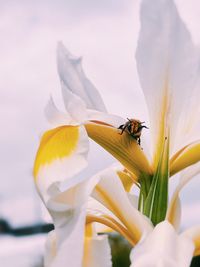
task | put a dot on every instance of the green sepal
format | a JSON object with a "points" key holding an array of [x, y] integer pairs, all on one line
{"points": [[155, 206]]}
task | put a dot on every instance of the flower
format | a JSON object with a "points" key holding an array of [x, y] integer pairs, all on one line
{"points": [[168, 68]]}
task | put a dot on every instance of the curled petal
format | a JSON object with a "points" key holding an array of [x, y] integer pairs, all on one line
{"points": [[116, 200], [185, 157], [73, 77], [174, 209], [68, 211], [194, 234], [62, 153], [122, 146], [163, 248]]}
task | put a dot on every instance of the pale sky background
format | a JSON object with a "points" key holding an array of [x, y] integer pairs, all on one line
{"points": [[105, 33]]}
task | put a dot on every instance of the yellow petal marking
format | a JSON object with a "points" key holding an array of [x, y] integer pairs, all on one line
{"points": [[55, 144], [185, 157], [127, 180], [123, 147], [173, 212], [163, 126], [194, 234], [197, 245], [174, 208], [131, 227]]}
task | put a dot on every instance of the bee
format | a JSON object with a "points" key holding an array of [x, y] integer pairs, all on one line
{"points": [[134, 128]]}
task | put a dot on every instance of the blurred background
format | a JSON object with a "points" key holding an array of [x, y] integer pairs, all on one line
{"points": [[105, 34]]}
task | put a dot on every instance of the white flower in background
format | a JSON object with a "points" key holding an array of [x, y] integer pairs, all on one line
{"points": [[168, 66]]}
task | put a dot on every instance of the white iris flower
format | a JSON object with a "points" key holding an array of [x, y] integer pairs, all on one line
{"points": [[168, 66]]}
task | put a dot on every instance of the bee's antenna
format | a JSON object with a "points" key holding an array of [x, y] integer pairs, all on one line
{"points": [[142, 122], [144, 127], [128, 119]]}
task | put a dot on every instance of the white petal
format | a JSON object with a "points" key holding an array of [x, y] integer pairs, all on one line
{"points": [[174, 209], [163, 248], [168, 64], [111, 119], [110, 192], [194, 234], [50, 248], [64, 193], [74, 105], [94, 207], [72, 75], [54, 116], [68, 211], [61, 169], [97, 252]]}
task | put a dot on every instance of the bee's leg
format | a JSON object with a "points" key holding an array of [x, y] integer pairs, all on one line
{"points": [[139, 141], [122, 127]]}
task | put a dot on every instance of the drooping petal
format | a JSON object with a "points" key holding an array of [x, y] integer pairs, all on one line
{"points": [[122, 146], [185, 157], [168, 65], [62, 153], [110, 192], [72, 75], [163, 248], [97, 252], [194, 234], [174, 209]]}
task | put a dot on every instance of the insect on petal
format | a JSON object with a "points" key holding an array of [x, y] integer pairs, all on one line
{"points": [[123, 147]]}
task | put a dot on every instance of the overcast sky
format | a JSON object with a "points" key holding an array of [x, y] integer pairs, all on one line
{"points": [[105, 33]]}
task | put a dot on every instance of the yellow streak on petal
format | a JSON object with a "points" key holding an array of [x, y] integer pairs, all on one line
{"points": [[163, 127], [196, 240], [132, 228], [111, 223], [197, 246], [123, 147], [56, 144], [185, 157], [173, 212], [88, 230], [127, 180], [194, 234]]}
